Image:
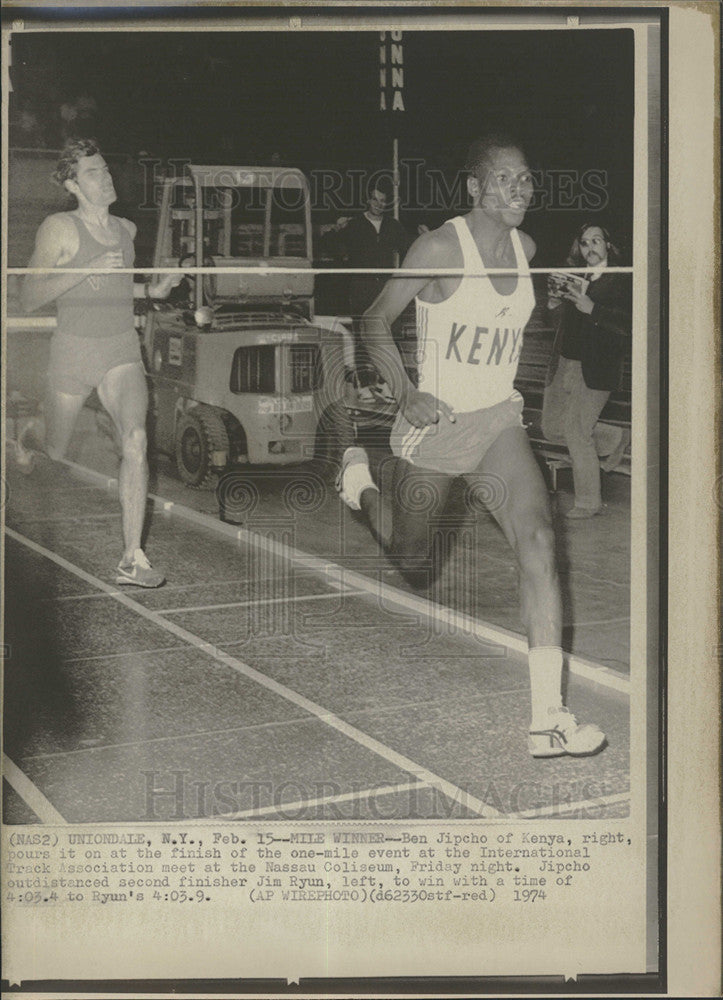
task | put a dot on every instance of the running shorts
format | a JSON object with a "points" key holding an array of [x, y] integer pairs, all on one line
{"points": [[455, 448], [78, 364]]}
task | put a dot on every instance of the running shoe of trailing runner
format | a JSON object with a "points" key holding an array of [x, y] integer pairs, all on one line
{"points": [[138, 572], [26, 446], [25, 460]]}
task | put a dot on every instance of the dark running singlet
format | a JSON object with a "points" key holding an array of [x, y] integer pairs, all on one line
{"points": [[101, 305]]}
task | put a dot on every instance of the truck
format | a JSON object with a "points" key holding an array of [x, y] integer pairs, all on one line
{"points": [[237, 367]]}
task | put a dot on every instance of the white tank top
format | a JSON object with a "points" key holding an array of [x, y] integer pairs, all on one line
{"points": [[469, 345]]}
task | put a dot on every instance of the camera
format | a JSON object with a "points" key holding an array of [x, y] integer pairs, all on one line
{"points": [[560, 284]]}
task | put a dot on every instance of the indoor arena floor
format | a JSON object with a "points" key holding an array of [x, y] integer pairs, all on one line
{"points": [[283, 672]]}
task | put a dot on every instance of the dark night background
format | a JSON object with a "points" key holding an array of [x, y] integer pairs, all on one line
{"points": [[310, 99]]}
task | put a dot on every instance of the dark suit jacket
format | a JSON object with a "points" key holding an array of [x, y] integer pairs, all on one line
{"points": [[604, 333], [359, 245]]}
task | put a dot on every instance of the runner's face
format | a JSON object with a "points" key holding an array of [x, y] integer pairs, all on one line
{"points": [[593, 247], [504, 186], [93, 184]]}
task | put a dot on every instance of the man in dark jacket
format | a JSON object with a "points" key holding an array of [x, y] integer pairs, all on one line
{"points": [[373, 239], [593, 337]]}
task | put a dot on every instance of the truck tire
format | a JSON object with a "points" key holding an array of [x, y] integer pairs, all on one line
{"points": [[199, 434]]}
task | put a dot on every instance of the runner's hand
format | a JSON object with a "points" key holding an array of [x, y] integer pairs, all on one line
{"points": [[111, 258], [163, 286], [422, 409]]}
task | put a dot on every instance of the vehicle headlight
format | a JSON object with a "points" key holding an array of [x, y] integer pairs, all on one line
{"points": [[203, 316]]}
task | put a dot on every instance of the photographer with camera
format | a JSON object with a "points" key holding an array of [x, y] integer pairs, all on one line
{"points": [[586, 364]]}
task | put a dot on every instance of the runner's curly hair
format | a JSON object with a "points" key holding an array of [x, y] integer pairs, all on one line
{"points": [[74, 150]]}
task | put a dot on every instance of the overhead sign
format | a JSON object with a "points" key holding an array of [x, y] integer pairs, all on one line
{"points": [[391, 71]]}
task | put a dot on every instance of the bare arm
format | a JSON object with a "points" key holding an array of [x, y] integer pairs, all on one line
{"points": [[161, 285], [55, 244], [420, 408], [528, 245], [159, 289]]}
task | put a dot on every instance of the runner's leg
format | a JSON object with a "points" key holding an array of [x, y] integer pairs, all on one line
{"points": [[524, 516], [124, 394], [523, 513], [401, 515], [50, 431]]}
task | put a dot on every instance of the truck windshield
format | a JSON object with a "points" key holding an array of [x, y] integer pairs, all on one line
{"points": [[241, 222]]}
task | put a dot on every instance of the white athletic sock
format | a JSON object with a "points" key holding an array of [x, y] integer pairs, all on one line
{"points": [[357, 477], [545, 683]]}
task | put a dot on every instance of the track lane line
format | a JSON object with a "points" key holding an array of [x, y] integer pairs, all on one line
{"points": [[155, 740], [263, 600], [31, 794], [179, 588], [333, 721], [146, 651]]}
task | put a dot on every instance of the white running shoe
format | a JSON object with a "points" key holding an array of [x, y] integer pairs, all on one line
{"points": [[354, 477], [27, 444], [138, 572], [565, 735], [24, 459]]}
